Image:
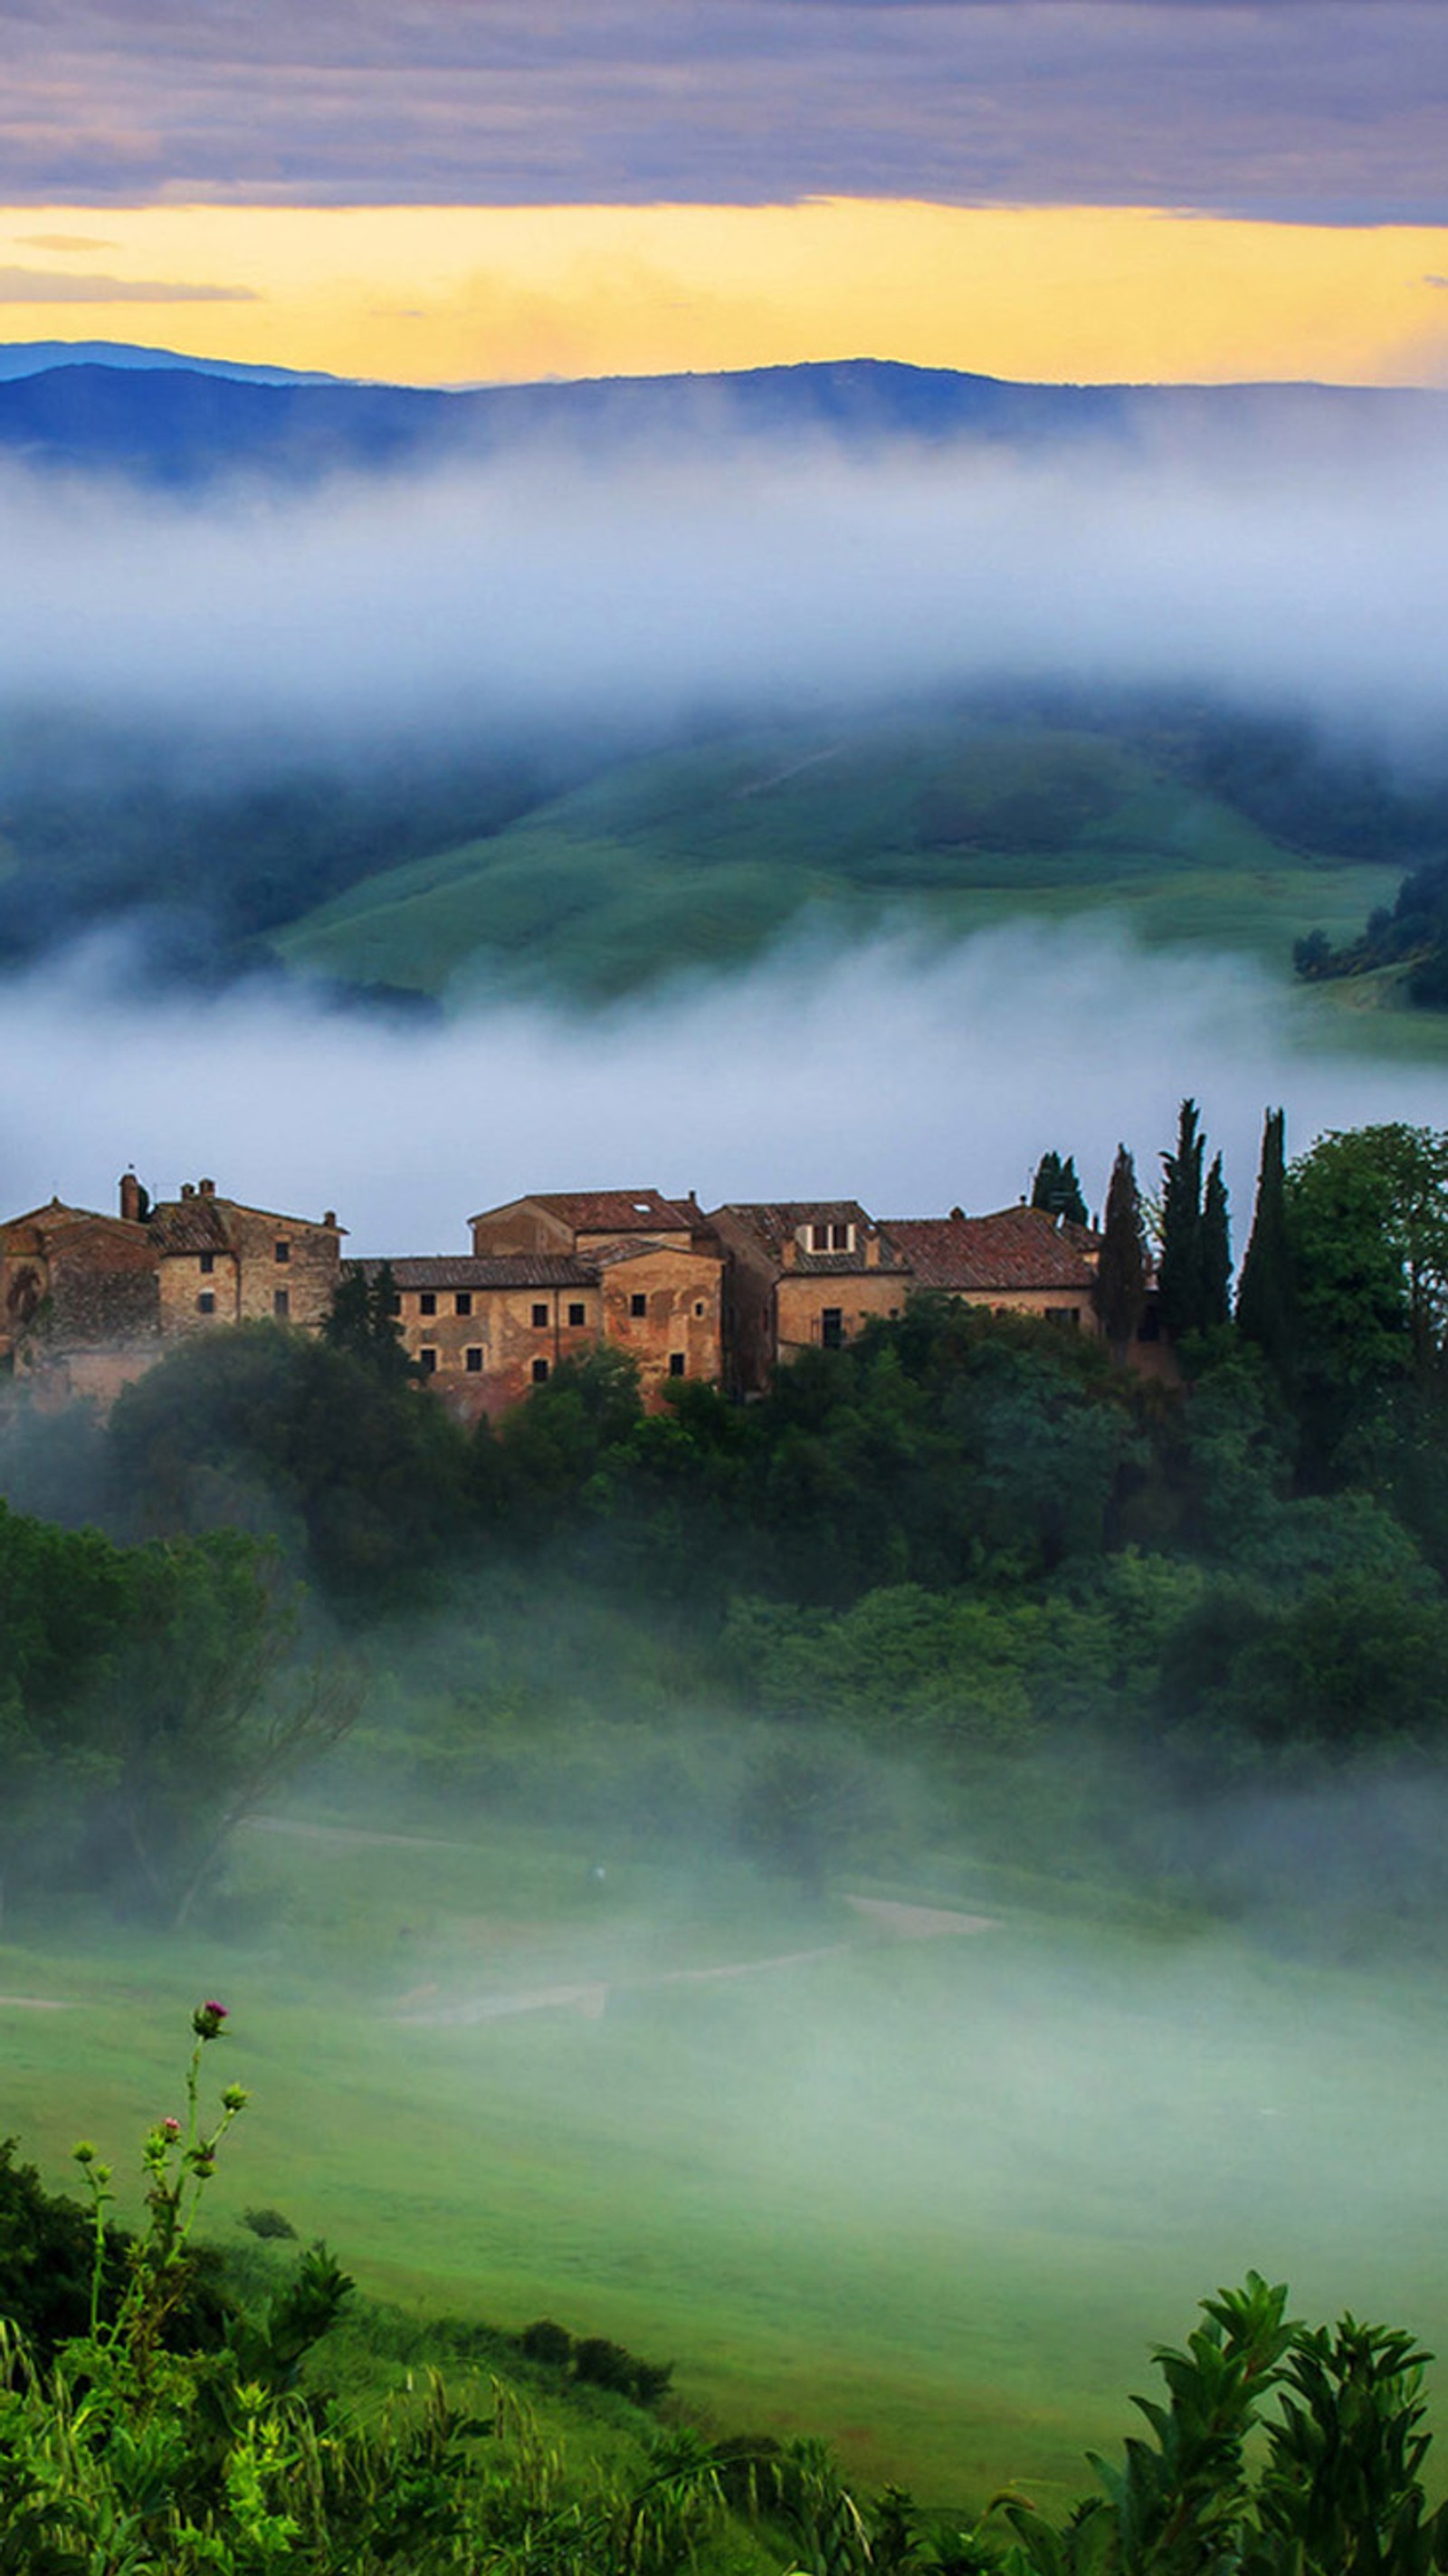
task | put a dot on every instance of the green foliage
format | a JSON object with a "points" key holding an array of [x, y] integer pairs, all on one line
{"points": [[1057, 1190], [364, 1476], [1267, 1288], [363, 1322], [1333, 2485], [1119, 1288]]}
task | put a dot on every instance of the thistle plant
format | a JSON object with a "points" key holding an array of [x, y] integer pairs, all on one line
{"points": [[179, 2160]]}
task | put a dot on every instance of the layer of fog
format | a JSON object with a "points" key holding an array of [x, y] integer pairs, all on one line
{"points": [[912, 1080], [649, 589]]}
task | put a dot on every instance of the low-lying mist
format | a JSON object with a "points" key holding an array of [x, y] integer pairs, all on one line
{"points": [[644, 590], [912, 1080]]}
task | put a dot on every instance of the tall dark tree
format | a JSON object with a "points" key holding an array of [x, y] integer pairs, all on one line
{"points": [[1216, 1248], [1119, 1289], [364, 1321], [1183, 1298], [1057, 1190], [1266, 1294]]}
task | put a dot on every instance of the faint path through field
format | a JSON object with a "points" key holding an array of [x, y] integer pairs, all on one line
{"points": [[894, 1921], [33, 2003]]}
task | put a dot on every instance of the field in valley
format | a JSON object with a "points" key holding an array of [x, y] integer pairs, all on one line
{"points": [[930, 2188]]}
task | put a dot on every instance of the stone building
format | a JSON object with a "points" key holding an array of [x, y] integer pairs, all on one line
{"points": [[804, 1274], [1024, 1261], [221, 1262], [555, 1276], [89, 1302]]}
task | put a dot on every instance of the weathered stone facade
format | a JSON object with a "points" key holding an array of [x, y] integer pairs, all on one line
{"points": [[804, 1275], [553, 1277], [88, 1302]]}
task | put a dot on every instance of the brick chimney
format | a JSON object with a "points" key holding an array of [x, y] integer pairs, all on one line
{"points": [[130, 1198], [207, 1189]]}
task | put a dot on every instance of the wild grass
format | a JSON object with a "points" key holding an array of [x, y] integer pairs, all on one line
{"points": [[932, 2199]]}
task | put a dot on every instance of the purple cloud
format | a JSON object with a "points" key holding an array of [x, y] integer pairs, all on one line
{"points": [[1318, 110]]}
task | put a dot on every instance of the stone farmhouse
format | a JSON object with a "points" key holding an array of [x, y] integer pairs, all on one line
{"points": [[88, 1302], [723, 1298]]}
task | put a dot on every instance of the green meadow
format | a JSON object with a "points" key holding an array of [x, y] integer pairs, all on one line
{"points": [[704, 857], [931, 2189]]}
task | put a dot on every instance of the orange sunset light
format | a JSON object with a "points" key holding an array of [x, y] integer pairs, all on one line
{"points": [[438, 295]]}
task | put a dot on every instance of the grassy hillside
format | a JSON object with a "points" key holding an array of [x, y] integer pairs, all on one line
{"points": [[702, 857], [930, 2196]]}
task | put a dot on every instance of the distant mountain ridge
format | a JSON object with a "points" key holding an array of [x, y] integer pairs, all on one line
{"points": [[103, 407]]}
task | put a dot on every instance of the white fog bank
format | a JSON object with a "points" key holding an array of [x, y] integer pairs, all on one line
{"points": [[914, 1081], [542, 589]]}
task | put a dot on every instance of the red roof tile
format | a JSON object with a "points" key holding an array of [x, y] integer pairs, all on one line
{"points": [[1018, 1247]]}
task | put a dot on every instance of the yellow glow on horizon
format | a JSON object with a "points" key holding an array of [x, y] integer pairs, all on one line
{"points": [[455, 295]]}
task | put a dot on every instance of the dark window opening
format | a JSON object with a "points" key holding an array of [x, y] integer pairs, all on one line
{"points": [[284, 1252], [281, 1302], [676, 1363], [1069, 1315], [575, 1316], [463, 1302], [427, 1360], [832, 1327], [206, 1302], [474, 1358], [698, 1306], [206, 1263], [540, 1372], [427, 1302], [638, 1304], [540, 1318]]}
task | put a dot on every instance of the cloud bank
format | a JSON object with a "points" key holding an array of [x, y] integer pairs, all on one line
{"points": [[1306, 110], [549, 588], [914, 1082]]}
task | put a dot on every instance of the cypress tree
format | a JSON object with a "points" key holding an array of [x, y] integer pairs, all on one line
{"points": [[1183, 1303], [1118, 1291], [1057, 1189], [1266, 1292], [1216, 1264]]}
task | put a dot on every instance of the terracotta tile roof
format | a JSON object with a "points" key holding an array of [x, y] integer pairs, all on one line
{"points": [[775, 1223], [487, 1270], [609, 1211], [202, 1222], [190, 1225], [1018, 1247], [607, 1256]]}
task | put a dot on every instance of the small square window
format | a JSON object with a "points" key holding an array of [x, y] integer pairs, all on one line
{"points": [[463, 1302], [206, 1302], [427, 1302], [638, 1304], [540, 1318], [819, 1238], [474, 1359], [284, 1252], [576, 1316], [832, 1327], [427, 1360], [676, 1363], [281, 1303], [206, 1263], [540, 1372]]}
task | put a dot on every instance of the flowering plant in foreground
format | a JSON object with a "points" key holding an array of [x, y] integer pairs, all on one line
{"points": [[178, 2162]]}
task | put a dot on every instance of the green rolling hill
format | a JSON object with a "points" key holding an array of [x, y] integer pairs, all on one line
{"points": [[701, 858]]}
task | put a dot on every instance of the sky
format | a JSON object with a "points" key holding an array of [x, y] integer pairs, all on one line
{"points": [[446, 191]]}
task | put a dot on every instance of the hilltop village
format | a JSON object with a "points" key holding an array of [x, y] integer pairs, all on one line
{"points": [[89, 1301]]}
